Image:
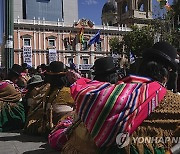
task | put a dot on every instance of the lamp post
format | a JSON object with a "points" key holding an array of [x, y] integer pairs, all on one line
{"points": [[9, 30]]}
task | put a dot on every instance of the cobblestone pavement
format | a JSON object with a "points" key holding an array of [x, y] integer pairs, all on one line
{"points": [[17, 143]]}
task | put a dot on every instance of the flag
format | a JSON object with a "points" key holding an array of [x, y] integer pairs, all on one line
{"points": [[132, 58], [95, 39], [1, 20], [81, 35]]}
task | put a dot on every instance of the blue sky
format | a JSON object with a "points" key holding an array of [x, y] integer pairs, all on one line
{"points": [[91, 9]]}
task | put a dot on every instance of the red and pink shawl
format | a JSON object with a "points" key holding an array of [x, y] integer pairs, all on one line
{"points": [[109, 109]]}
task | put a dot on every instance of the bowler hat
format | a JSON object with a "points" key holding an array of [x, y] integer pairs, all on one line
{"points": [[35, 79], [104, 66], [163, 52], [25, 66], [56, 67], [16, 69]]}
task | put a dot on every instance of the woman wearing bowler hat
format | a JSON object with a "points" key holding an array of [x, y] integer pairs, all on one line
{"points": [[113, 115], [59, 96], [105, 70]]}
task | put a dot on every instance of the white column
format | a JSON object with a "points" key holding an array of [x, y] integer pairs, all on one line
{"points": [[64, 59], [107, 42], [104, 41], [40, 62], [78, 58], [45, 61], [35, 65], [39, 40], [92, 58], [44, 40], [19, 58], [39, 47], [63, 41], [59, 56], [59, 47], [19, 47], [18, 33]]}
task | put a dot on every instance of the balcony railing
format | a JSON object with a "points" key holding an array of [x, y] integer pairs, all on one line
{"points": [[62, 24], [84, 66]]}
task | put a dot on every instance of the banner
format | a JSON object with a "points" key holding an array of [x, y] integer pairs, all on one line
{"points": [[52, 55], [1, 20], [27, 55]]}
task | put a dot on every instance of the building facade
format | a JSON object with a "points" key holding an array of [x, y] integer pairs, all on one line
{"points": [[134, 12], [44, 36]]}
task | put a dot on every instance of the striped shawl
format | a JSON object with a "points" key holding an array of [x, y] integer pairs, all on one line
{"points": [[109, 109]]}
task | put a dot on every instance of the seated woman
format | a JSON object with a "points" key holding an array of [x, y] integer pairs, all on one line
{"points": [[59, 97], [113, 115], [12, 114], [49, 102], [34, 102]]}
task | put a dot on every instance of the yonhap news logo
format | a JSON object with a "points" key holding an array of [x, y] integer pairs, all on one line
{"points": [[123, 139]]}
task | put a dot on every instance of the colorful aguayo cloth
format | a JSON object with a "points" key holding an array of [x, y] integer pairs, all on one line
{"points": [[12, 114], [109, 109]]}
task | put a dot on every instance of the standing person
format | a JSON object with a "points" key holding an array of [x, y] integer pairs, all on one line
{"points": [[136, 106]]}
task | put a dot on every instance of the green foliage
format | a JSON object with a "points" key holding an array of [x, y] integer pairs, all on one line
{"points": [[115, 45], [138, 39]]}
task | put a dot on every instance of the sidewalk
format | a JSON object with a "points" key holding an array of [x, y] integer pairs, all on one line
{"points": [[16, 143]]}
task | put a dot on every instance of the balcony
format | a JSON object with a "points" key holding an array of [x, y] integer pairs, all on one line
{"points": [[83, 67]]}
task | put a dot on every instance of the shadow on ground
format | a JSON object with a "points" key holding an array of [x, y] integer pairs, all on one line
{"points": [[46, 149], [15, 136]]}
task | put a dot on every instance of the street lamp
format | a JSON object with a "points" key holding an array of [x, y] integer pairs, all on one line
{"points": [[9, 30]]}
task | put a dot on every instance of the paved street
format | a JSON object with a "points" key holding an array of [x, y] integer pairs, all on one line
{"points": [[17, 143]]}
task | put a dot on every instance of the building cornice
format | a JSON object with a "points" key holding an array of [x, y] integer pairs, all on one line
{"points": [[60, 26]]}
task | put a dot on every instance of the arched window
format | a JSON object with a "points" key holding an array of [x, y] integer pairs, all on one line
{"points": [[110, 23], [141, 6], [124, 7]]}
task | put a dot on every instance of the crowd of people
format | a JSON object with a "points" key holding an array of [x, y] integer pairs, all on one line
{"points": [[86, 116]]}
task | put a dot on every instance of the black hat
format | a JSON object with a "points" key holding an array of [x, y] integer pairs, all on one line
{"points": [[104, 66], [25, 66], [164, 52], [56, 67], [16, 69]]}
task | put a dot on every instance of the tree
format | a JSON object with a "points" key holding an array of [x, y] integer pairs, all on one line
{"points": [[175, 14], [115, 45], [138, 39]]}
